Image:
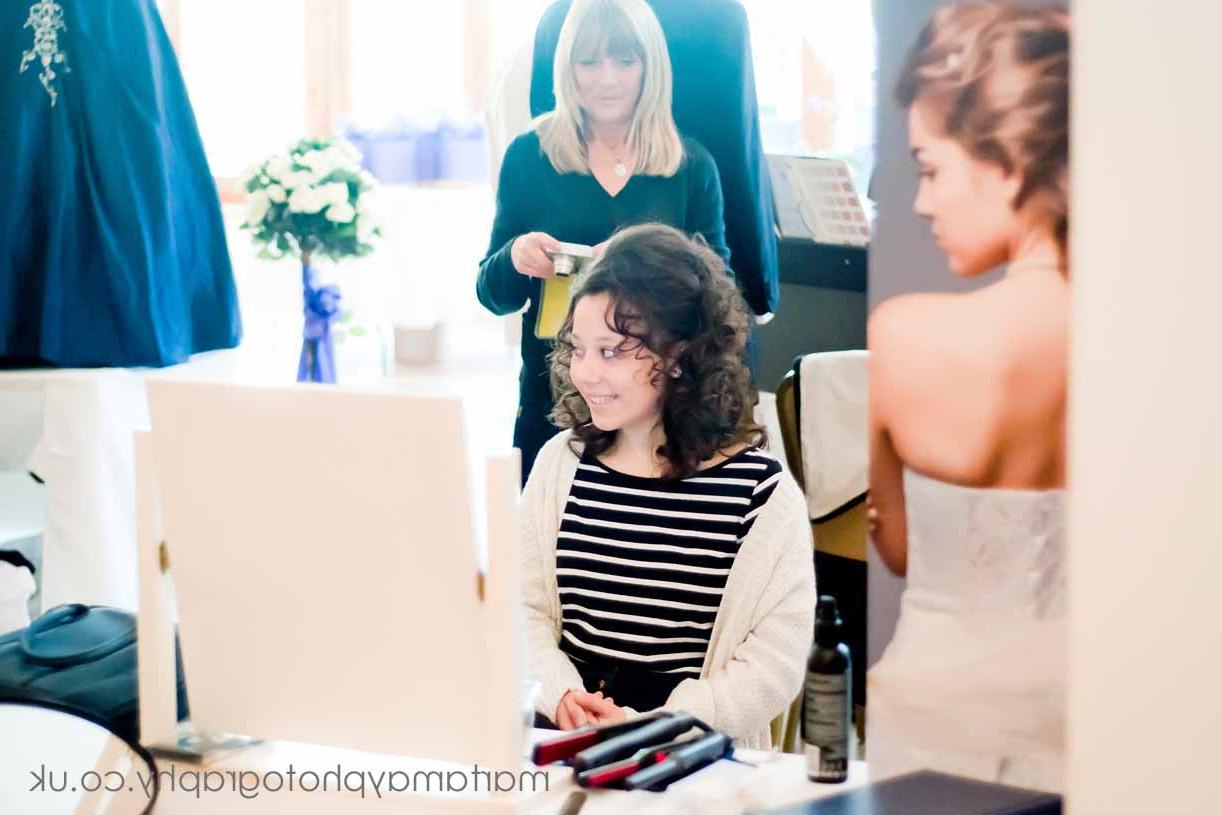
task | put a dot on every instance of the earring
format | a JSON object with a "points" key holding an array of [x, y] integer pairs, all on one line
{"points": [[676, 372]]}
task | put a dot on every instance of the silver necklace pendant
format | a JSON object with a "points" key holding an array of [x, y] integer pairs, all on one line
{"points": [[621, 169]]}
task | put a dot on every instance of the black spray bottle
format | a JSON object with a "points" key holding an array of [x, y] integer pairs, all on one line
{"points": [[827, 699]]}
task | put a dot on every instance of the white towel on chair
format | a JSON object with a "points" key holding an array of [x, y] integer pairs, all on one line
{"points": [[16, 589], [832, 401]]}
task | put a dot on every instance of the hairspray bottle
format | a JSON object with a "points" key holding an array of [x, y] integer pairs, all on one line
{"points": [[827, 699]]}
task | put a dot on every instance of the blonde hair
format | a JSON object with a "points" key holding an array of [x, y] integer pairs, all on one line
{"points": [[620, 28], [998, 72]]}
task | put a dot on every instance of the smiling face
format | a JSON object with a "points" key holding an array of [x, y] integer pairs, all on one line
{"points": [[968, 201], [608, 85], [616, 375]]}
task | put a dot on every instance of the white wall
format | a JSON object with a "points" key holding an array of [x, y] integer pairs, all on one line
{"points": [[1146, 483]]}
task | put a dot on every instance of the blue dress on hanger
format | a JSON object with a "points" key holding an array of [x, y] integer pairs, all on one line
{"points": [[112, 248]]}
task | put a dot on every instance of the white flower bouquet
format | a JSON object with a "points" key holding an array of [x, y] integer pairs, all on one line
{"points": [[313, 199]]}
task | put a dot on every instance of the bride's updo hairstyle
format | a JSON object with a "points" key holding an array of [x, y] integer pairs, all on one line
{"points": [[996, 75]]}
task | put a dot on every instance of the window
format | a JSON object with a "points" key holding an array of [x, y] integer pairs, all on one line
{"points": [[815, 68], [408, 60], [244, 64]]}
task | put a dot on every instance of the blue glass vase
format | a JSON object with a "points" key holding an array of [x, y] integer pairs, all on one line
{"points": [[321, 309]]}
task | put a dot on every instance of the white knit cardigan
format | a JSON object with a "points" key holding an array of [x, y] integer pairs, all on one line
{"points": [[761, 637]]}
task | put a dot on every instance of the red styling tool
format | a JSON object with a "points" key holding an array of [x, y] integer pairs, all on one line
{"points": [[681, 762], [572, 742], [611, 776], [625, 744]]}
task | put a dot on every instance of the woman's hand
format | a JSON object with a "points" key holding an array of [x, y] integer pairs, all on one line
{"points": [[605, 711], [529, 254], [570, 712], [578, 708]]}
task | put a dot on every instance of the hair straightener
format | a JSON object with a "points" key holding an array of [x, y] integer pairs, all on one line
{"points": [[612, 775], [623, 745], [564, 747], [646, 753], [680, 762]]}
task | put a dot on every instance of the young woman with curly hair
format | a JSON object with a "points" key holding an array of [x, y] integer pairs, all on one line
{"points": [[668, 559]]}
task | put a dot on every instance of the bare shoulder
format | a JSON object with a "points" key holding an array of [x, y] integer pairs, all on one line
{"points": [[1021, 319], [894, 323], [958, 380], [924, 347], [904, 331]]}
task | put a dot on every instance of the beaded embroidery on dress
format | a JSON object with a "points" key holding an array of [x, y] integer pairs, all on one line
{"points": [[47, 20]]}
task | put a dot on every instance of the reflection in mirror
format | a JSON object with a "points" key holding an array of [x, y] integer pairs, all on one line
{"points": [[54, 762]]}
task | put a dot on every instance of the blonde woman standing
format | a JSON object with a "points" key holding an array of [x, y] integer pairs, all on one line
{"points": [[608, 156]]}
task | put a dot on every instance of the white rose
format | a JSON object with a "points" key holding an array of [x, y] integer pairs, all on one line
{"points": [[323, 170], [306, 199], [334, 193], [341, 213], [256, 207], [275, 193], [296, 178], [346, 160], [329, 161], [278, 167]]}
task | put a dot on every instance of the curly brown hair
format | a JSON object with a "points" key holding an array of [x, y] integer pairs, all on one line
{"points": [[998, 71], [670, 295]]}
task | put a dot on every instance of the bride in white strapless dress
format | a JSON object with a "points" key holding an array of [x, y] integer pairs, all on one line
{"points": [[973, 681], [967, 412]]}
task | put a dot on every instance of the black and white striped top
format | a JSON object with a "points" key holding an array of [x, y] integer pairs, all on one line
{"points": [[641, 563]]}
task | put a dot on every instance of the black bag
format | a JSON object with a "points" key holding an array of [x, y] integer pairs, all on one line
{"points": [[84, 658]]}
